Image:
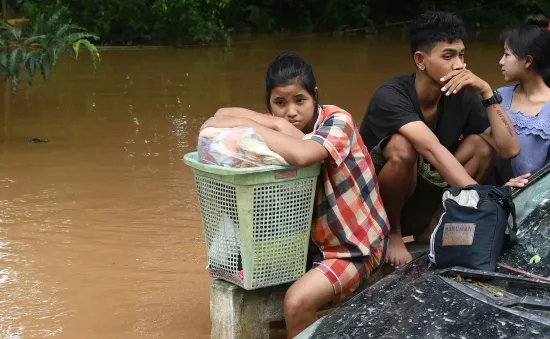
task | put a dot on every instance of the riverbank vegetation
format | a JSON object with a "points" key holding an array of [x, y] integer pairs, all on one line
{"points": [[179, 22]]}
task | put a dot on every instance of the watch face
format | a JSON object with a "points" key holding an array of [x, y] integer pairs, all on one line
{"points": [[497, 97]]}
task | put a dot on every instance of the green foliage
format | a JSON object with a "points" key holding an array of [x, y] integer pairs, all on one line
{"points": [[178, 22], [305, 15], [185, 21], [476, 13], [131, 22], [36, 48]]}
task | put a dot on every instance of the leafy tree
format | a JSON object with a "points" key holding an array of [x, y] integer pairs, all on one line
{"points": [[181, 22], [34, 47], [134, 22]]}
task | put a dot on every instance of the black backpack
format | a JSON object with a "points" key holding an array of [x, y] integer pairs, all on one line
{"points": [[478, 223]]}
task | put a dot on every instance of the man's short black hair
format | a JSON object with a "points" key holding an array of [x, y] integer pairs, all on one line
{"points": [[433, 27]]}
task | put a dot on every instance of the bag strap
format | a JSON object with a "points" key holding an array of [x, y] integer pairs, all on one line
{"points": [[512, 231], [504, 194]]}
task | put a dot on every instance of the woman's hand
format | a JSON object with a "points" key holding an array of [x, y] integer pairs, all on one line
{"points": [[520, 181]]}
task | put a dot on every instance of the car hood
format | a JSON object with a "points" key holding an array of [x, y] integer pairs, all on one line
{"points": [[414, 303]]}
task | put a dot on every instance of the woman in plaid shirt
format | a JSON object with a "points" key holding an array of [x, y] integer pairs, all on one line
{"points": [[349, 225]]}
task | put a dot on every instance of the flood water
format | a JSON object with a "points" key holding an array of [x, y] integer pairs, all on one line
{"points": [[100, 232]]}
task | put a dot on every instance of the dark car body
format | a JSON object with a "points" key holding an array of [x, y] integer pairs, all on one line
{"points": [[419, 302]]}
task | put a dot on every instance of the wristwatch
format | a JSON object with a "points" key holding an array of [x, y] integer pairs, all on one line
{"points": [[495, 99]]}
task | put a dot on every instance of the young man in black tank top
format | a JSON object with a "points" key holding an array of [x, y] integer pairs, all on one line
{"points": [[434, 128]]}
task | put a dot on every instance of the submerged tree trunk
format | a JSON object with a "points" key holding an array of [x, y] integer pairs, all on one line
{"points": [[5, 10]]}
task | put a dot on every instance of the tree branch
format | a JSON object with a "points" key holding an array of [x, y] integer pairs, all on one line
{"points": [[5, 10]]}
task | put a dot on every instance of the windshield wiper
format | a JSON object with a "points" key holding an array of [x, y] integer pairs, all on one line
{"points": [[511, 300], [477, 274], [527, 301], [522, 272], [524, 306]]}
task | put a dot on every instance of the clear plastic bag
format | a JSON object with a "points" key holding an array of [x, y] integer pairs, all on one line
{"points": [[238, 147], [226, 245]]}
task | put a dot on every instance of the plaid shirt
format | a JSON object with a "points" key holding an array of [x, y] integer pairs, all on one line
{"points": [[349, 218]]}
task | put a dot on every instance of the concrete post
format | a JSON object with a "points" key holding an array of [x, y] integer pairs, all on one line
{"points": [[236, 313]]}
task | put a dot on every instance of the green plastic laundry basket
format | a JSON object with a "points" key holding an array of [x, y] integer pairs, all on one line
{"points": [[256, 221]]}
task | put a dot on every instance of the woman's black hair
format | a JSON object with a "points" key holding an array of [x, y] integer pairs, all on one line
{"points": [[532, 38], [287, 68]]}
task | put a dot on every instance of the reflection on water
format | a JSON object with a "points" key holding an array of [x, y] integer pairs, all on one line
{"points": [[100, 232]]}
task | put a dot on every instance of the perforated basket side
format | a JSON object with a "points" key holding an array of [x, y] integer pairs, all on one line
{"points": [[218, 207], [281, 223], [257, 223]]}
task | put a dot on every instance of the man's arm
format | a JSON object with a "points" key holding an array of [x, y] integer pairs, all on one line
{"points": [[274, 123], [501, 135], [294, 150], [428, 146]]}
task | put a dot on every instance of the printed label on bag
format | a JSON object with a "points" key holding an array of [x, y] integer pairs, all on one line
{"points": [[458, 234]]}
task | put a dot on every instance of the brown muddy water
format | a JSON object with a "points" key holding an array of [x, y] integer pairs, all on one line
{"points": [[100, 232]]}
